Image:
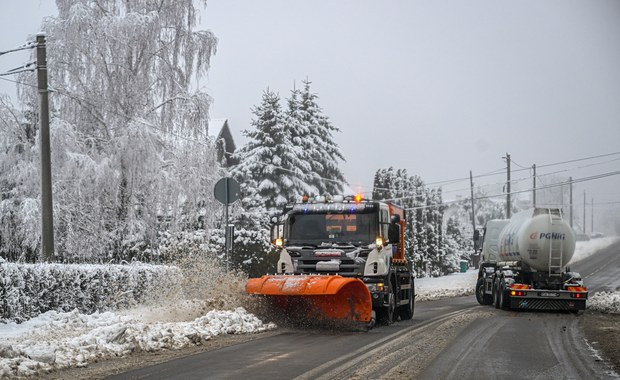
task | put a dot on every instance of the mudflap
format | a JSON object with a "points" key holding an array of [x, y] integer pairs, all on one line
{"points": [[318, 298]]}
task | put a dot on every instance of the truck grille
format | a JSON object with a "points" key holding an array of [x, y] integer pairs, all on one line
{"points": [[308, 265]]}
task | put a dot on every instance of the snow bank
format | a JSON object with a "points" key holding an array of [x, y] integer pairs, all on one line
{"points": [[605, 302], [453, 285], [59, 340], [584, 249]]}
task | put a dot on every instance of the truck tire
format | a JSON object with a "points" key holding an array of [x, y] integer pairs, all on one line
{"points": [[504, 301], [496, 296], [406, 311], [483, 299], [386, 315]]}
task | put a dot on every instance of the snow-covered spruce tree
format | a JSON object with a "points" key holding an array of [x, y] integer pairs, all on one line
{"points": [[271, 171], [298, 132], [435, 250], [457, 246], [131, 155], [423, 236], [322, 151]]}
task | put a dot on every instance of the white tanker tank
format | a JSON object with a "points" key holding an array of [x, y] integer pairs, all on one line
{"points": [[537, 237]]}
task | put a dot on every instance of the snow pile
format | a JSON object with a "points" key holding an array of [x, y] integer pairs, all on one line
{"points": [[584, 249], [453, 285], [58, 340], [605, 302]]}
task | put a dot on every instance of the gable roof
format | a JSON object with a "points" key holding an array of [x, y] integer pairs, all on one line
{"points": [[219, 130]]}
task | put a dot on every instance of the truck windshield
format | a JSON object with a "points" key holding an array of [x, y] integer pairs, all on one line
{"points": [[343, 228]]}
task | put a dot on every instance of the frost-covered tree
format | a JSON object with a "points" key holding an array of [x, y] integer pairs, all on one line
{"points": [[19, 183], [271, 173], [298, 132], [289, 153], [322, 151], [271, 170], [423, 236], [130, 151], [455, 245]]}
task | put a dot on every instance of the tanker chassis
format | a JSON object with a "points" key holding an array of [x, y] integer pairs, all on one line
{"points": [[524, 263]]}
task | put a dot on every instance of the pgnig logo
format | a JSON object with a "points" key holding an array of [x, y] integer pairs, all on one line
{"points": [[547, 236]]}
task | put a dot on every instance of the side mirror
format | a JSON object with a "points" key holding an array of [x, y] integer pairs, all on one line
{"points": [[477, 240], [394, 233]]}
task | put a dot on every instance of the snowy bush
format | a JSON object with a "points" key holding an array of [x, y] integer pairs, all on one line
{"points": [[27, 290], [605, 302]]}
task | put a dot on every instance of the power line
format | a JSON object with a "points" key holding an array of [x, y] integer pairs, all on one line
{"points": [[501, 171], [29, 45], [590, 178], [18, 82], [512, 181]]}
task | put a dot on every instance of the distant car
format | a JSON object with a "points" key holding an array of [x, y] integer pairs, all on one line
{"points": [[595, 235]]}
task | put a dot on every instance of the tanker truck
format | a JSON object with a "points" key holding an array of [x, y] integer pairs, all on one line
{"points": [[523, 264], [340, 259]]}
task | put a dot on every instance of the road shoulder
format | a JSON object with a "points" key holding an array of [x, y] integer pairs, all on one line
{"points": [[105, 368], [603, 334]]}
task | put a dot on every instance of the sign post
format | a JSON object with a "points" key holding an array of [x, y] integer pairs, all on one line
{"points": [[226, 191]]}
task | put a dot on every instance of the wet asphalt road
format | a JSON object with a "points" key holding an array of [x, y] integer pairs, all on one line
{"points": [[500, 344]]}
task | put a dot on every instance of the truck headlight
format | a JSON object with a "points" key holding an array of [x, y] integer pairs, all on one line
{"points": [[378, 287]]}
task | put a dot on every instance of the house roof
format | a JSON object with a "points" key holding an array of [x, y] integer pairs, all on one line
{"points": [[219, 130], [216, 126]]}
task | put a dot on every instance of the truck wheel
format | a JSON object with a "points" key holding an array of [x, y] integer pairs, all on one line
{"points": [[406, 311], [386, 316], [504, 302], [483, 299]]}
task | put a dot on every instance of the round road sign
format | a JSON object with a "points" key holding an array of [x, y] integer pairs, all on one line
{"points": [[227, 190]]}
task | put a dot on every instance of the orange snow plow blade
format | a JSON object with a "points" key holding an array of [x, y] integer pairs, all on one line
{"points": [[326, 298]]}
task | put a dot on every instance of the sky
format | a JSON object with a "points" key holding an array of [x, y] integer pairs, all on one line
{"points": [[437, 88]]}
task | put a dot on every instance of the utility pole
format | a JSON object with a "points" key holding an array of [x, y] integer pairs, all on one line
{"points": [[584, 212], [473, 211], [534, 186], [570, 180], [47, 216], [592, 216], [508, 206]]}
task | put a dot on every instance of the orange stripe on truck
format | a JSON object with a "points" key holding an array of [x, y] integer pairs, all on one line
{"points": [[576, 289]]}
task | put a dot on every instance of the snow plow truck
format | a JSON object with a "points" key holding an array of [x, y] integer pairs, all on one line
{"points": [[340, 259], [524, 261]]}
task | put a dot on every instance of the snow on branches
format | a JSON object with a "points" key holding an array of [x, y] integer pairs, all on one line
{"points": [[131, 152]]}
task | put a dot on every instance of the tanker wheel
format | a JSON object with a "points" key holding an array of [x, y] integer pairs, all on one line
{"points": [[504, 302], [496, 296], [483, 299]]}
